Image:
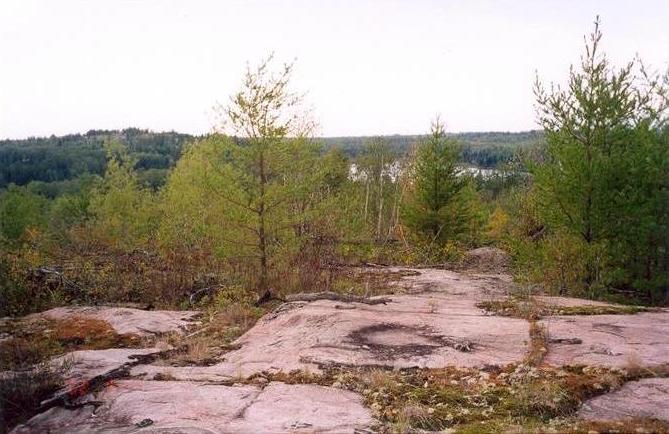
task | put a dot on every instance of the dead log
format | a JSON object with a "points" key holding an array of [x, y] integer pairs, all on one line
{"points": [[69, 395], [334, 296]]}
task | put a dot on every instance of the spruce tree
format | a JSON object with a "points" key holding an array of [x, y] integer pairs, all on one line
{"points": [[441, 204]]}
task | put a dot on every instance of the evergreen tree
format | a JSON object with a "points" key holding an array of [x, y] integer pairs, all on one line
{"points": [[605, 178], [442, 206]]}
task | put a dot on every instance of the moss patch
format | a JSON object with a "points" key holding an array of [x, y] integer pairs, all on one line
{"points": [[32, 341], [595, 310], [634, 425], [522, 397], [533, 310]]}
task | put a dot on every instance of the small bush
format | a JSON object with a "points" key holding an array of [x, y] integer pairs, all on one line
{"points": [[21, 392], [20, 293]]}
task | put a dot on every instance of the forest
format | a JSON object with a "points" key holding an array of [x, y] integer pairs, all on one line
{"points": [[51, 166]]}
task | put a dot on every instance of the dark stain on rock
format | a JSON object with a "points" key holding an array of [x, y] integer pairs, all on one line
{"points": [[389, 341]]}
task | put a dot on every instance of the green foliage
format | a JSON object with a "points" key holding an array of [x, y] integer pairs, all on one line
{"points": [[124, 212], [443, 205], [20, 212], [13, 290], [257, 195], [481, 149], [377, 172], [605, 176], [193, 219], [52, 166]]}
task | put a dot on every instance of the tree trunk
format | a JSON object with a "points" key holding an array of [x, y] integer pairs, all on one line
{"points": [[262, 236], [379, 222], [366, 199]]}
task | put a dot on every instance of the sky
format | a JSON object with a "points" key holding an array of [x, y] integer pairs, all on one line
{"points": [[366, 67]]}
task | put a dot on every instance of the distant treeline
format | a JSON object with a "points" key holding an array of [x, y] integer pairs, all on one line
{"points": [[482, 149], [56, 164]]}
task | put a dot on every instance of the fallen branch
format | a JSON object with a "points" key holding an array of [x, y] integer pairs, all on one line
{"points": [[67, 397], [329, 364], [199, 294], [569, 341], [64, 280], [334, 296]]}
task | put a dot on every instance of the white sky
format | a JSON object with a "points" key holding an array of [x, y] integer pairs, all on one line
{"points": [[369, 67]]}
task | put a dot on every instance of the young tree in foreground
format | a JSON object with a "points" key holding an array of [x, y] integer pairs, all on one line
{"points": [[606, 175], [262, 174], [442, 206]]}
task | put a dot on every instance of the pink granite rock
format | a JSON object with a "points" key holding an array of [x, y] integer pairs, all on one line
{"points": [[647, 398], [191, 407], [436, 325], [86, 364], [126, 320], [609, 340]]}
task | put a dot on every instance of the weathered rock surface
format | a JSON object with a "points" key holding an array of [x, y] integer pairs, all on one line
{"points": [[432, 322], [609, 340], [303, 408], [86, 364], [437, 327], [647, 398], [126, 320], [191, 407]]}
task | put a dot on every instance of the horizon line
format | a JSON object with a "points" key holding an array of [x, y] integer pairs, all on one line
{"points": [[149, 130]]}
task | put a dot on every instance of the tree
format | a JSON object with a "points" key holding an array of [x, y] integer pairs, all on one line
{"points": [[20, 212], [442, 203], [374, 166], [264, 170], [605, 175], [123, 212]]}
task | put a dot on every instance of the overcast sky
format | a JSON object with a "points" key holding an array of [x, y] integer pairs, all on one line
{"points": [[368, 67]]}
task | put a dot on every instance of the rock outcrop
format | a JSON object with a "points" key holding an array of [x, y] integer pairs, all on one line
{"points": [[191, 407], [609, 340], [433, 322], [647, 398], [126, 321]]}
